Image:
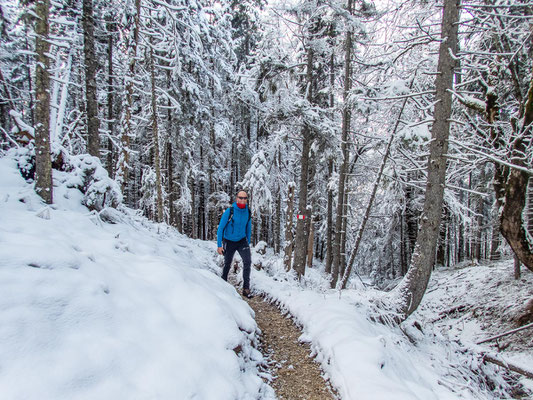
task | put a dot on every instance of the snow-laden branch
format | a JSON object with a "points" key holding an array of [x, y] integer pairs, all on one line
{"points": [[492, 158], [398, 97]]}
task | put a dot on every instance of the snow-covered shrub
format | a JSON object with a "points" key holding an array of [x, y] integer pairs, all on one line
{"points": [[87, 174], [261, 247], [25, 157], [149, 190]]}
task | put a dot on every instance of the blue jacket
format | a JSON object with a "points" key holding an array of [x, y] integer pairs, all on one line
{"points": [[239, 227]]}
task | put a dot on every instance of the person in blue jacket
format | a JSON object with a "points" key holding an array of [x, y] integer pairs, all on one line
{"points": [[234, 234]]}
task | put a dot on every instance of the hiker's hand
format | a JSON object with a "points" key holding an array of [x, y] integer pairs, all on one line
{"points": [[220, 251]]}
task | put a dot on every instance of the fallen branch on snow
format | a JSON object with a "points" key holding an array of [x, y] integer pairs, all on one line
{"points": [[507, 333], [512, 367]]}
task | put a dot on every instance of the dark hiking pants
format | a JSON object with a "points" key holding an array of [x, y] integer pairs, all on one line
{"points": [[243, 248]]}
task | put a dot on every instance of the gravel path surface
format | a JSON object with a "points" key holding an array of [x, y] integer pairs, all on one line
{"points": [[296, 375]]}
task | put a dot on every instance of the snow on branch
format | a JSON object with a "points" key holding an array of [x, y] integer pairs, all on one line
{"points": [[492, 158]]}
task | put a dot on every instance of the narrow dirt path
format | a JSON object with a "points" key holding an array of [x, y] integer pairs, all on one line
{"points": [[296, 375]]}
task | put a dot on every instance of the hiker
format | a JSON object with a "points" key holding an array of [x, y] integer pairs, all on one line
{"points": [[234, 234]]}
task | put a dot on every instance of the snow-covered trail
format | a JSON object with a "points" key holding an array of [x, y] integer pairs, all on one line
{"points": [[295, 373]]}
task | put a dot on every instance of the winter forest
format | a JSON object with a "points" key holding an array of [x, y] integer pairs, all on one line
{"points": [[380, 139]]}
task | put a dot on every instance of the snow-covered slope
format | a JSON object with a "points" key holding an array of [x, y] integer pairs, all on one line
{"points": [[123, 310]]}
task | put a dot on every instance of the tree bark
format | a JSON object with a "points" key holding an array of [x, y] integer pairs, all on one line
{"points": [[329, 232], [171, 193], [289, 238], [43, 162], [110, 113], [310, 241], [93, 123], [155, 144], [343, 168], [300, 247], [277, 225], [413, 286], [123, 169], [517, 272]]}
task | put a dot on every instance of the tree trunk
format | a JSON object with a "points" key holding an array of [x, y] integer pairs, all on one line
{"points": [[510, 184], [289, 238], [110, 114], [171, 192], [413, 286], [193, 230], [155, 144], [43, 162], [343, 232], [512, 226], [343, 168], [329, 229], [93, 123], [403, 246], [300, 247], [517, 273], [277, 229], [495, 240], [310, 241], [329, 218], [123, 170]]}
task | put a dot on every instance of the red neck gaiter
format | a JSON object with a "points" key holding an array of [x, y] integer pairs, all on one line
{"points": [[241, 206]]}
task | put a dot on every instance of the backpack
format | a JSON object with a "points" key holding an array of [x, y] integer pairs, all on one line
{"points": [[231, 217]]}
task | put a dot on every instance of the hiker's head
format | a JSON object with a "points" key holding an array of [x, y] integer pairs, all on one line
{"points": [[242, 199]]}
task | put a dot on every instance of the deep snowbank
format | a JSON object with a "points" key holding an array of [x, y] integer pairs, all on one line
{"points": [[129, 310]]}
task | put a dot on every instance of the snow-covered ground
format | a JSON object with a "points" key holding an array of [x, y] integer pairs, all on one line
{"points": [[134, 310], [130, 310], [428, 356]]}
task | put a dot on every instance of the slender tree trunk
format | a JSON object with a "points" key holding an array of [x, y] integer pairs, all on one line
{"points": [[127, 128], [277, 230], [93, 123], [43, 171], [110, 114], [517, 273], [289, 238], [329, 218], [201, 201], [413, 286], [346, 122], [171, 192], [194, 233], [479, 230], [460, 233], [300, 245], [343, 232], [403, 245], [329, 229], [28, 71], [300, 250], [310, 241], [155, 144]]}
